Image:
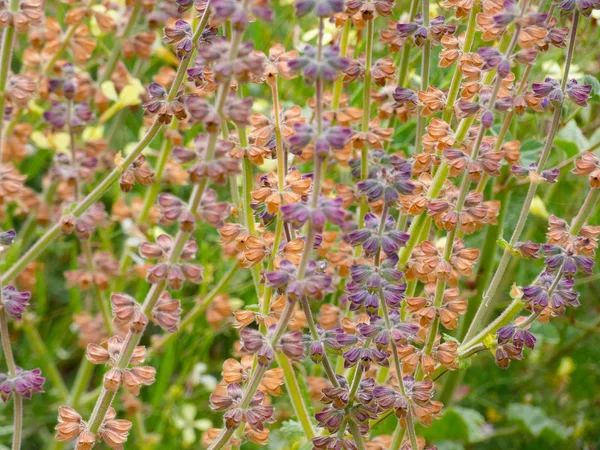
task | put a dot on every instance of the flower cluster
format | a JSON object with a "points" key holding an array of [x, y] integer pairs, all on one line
{"points": [[333, 204]]}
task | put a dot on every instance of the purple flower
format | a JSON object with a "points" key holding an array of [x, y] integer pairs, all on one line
{"points": [[365, 356], [390, 240], [231, 10], [585, 6], [315, 285], [487, 119], [14, 302], [329, 67], [330, 418], [550, 176], [323, 8], [492, 57], [405, 97], [518, 336], [419, 32], [328, 209], [363, 289], [388, 177], [466, 108], [256, 414], [558, 257], [25, 383], [549, 89], [579, 93], [180, 34], [528, 249], [388, 398], [7, 237], [56, 115], [542, 295]]}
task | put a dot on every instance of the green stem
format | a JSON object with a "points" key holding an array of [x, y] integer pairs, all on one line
{"points": [[364, 153], [425, 68], [132, 340], [457, 76], [5, 63], [50, 369], [589, 205], [487, 299], [515, 307], [53, 233], [82, 380], [115, 55], [101, 300], [296, 397], [338, 86], [410, 425]]}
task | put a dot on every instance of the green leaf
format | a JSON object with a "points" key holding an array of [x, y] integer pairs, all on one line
{"points": [[530, 150], [535, 421], [571, 140], [457, 424], [291, 429]]}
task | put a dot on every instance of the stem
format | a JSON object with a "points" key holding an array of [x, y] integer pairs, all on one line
{"points": [[65, 43], [115, 55], [82, 380], [247, 186], [101, 300], [487, 299], [41, 350], [515, 307], [457, 76], [410, 426], [364, 153], [296, 397], [132, 340], [404, 59], [8, 354], [5, 62], [425, 63], [279, 225], [588, 206], [18, 422], [338, 86], [397, 438], [53, 233]]}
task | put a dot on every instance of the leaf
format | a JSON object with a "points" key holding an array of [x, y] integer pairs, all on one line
{"points": [[291, 428], [530, 150], [571, 140], [535, 421], [456, 424]]}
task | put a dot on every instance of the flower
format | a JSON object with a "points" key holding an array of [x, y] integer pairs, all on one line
{"points": [[328, 67], [173, 273], [180, 34], [322, 8], [256, 415], [130, 378], [185, 420], [24, 383], [14, 302]]}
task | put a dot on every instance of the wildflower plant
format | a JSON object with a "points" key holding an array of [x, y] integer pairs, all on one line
{"points": [[307, 199]]}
